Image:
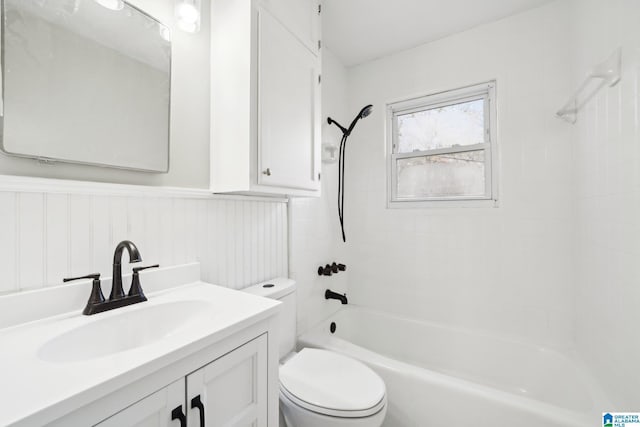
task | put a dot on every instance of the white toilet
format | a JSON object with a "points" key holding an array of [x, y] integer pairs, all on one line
{"points": [[321, 388]]}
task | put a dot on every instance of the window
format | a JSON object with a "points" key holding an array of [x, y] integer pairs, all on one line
{"points": [[442, 148]]}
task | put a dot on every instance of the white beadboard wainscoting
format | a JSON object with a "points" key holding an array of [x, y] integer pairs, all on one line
{"points": [[46, 236]]}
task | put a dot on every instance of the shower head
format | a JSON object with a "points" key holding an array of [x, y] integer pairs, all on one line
{"points": [[361, 115], [366, 111]]}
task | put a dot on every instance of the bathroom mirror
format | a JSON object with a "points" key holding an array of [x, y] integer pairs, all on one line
{"points": [[85, 81]]}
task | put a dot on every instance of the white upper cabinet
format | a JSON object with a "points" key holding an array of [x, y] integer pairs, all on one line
{"points": [[265, 97], [288, 85], [300, 17]]}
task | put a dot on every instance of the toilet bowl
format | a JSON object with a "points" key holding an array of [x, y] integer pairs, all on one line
{"points": [[320, 388]]}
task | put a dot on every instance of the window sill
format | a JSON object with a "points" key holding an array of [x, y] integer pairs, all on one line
{"points": [[426, 204]]}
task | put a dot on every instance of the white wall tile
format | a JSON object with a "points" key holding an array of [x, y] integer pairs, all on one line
{"points": [[482, 268], [606, 235], [312, 223]]}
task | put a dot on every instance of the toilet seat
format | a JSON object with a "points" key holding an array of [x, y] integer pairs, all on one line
{"points": [[331, 384]]}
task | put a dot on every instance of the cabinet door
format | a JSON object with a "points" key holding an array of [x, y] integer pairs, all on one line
{"points": [[154, 410], [288, 109], [300, 17], [231, 391]]}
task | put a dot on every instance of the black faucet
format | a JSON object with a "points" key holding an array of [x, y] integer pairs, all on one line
{"points": [[134, 256], [329, 294], [117, 299]]}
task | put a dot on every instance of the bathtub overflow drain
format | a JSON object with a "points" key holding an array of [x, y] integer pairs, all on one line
{"points": [[332, 328]]}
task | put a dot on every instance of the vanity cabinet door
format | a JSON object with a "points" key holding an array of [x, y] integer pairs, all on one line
{"points": [[288, 110], [231, 391], [154, 410]]}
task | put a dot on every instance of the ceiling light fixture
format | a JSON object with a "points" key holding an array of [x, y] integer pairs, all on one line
{"points": [[188, 15], [111, 4]]}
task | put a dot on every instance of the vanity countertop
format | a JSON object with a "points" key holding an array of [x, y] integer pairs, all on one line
{"points": [[43, 378]]}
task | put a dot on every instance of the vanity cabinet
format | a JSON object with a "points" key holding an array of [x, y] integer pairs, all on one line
{"points": [[152, 411], [265, 97], [230, 391], [233, 389]]}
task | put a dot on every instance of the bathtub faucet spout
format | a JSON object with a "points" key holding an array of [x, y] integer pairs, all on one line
{"points": [[329, 294]]}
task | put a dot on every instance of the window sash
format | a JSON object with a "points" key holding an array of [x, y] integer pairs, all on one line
{"points": [[433, 106], [487, 175], [447, 150]]}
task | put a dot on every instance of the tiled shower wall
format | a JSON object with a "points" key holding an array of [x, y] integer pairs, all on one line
{"points": [[606, 151], [505, 270], [45, 237]]}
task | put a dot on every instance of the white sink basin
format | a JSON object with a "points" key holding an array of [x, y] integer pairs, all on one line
{"points": [[122, 331]]}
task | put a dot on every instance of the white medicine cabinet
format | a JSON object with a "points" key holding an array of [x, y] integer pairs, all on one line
{"points": [[265, 97]]}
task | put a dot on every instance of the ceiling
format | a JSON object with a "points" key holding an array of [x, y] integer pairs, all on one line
{"points": [[358, 31]]}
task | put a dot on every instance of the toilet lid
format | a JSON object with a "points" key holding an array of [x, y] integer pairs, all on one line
{"points": [[328, 382]]}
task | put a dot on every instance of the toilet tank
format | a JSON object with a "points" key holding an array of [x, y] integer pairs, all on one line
{"points": [[283, 290]]}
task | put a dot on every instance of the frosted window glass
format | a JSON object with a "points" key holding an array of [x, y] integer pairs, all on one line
{"points": [[444, 175]]}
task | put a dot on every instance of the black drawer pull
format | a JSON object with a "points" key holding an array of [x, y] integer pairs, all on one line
{"points": [[197, 403], [177, 414]]}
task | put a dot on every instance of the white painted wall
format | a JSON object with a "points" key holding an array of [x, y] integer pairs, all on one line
{"points": [[47, 236], [189, 133], [314, 228], [606, 158], [507, 269]]}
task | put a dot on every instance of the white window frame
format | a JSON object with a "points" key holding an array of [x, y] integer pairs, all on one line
{"points": [[485, 91]]}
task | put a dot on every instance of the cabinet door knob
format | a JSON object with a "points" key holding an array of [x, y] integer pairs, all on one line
{"points": [[177, 414], [196, 402], [267, 172]]}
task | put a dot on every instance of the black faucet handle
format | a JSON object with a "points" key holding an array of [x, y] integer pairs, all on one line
{"points": [[324, 271], [96, 296], [138, 269], [95, 276], [136, 289], [342, 267]]}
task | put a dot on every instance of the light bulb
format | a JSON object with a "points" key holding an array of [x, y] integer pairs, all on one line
{"points": [[111, 4], [188, 15]]}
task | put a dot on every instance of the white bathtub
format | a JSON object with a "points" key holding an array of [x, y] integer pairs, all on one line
{"points": [[441, 376]]}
